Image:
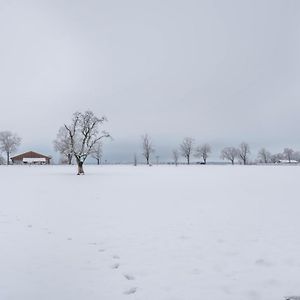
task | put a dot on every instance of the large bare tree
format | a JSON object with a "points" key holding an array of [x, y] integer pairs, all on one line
{"points": [[62, 144], [84, 132], [147, 148], [244, 152], [9, 143], [186, 148], [203, 151], [230, 153], [98, 152], [264, 156]]}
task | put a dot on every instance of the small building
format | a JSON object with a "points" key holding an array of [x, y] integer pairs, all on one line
{"points": [[31, 158]]}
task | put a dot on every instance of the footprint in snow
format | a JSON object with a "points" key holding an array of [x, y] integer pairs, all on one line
{"points": [[130, 291], [115, 266], [101, 250], [129, 277], [116, 257], [263, 262]]}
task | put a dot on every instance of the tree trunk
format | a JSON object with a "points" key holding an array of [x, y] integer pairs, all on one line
{"points": [[188, 160], [69, 159], [80, 168], [232, 162], [98, 161], [147, 158], [7, 158]]}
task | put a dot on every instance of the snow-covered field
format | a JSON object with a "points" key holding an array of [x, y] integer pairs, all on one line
{"points": [[159, 233]]}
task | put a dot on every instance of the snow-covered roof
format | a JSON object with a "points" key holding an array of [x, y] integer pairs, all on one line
{"points": [[285, 161], [34, 159]]}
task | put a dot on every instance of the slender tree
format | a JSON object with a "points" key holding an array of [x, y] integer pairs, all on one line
{"points": [[62, 144], [9, 143], [203, 151], [244, 152], [264, 156], [98, 152], [288, 154], [147, 148], [135, 160], [175, 156], [84, 133], [229, 153], [186, 148]]}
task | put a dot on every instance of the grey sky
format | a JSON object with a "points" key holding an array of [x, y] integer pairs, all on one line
{"points": [[219, 71]]}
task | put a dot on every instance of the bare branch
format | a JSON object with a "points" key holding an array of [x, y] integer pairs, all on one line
{"points": [[83, 136], [147, 148], [9, 143], [186, 148], [203, 151]]}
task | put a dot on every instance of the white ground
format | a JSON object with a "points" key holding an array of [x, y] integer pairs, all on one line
{"points": [[160, 233]]}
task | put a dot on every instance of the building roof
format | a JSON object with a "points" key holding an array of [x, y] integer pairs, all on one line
{"points": [[30, 154]]}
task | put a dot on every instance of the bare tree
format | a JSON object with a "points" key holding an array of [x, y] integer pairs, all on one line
{"points": [[85, 135], [186, 148], [288, 154], [135, 160], [147, 148], [175, 156], [9, 143], [296, 156], [230, 153], [244, 152], [275, 158], [98, 152], [203, 151], [62, 144], [264, 156]]}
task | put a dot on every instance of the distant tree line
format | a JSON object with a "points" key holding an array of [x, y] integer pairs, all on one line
{"points": [[82, 138], [187, 149]]}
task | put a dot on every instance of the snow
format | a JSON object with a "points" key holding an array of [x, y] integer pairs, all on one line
{"points": [[163, 233], [32, 160], [286, 161]]}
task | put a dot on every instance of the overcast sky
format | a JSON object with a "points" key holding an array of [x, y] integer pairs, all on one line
{"points": [[219, 71]]}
